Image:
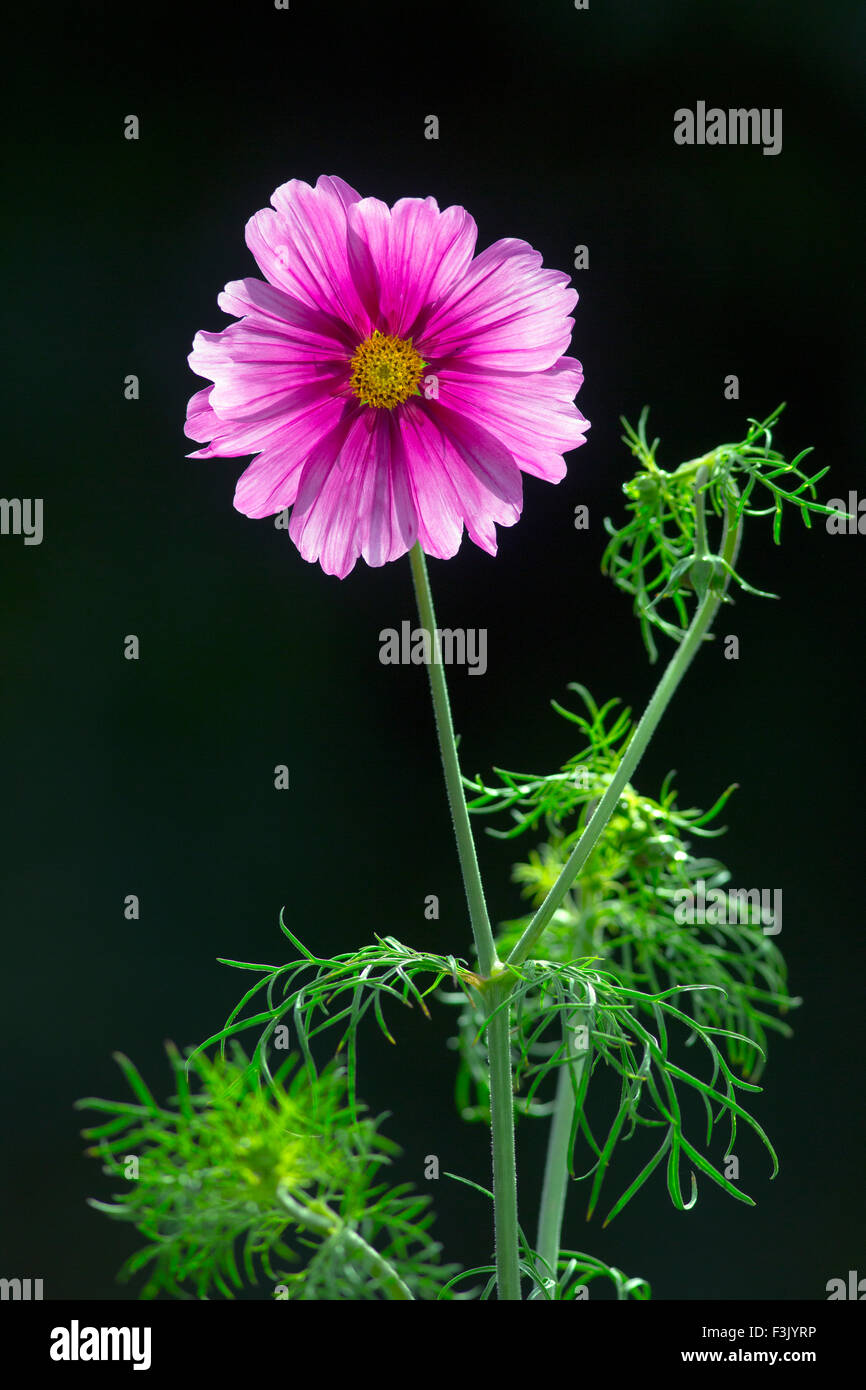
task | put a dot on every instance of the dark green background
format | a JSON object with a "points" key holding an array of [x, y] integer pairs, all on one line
{"points": [[155, 777]]}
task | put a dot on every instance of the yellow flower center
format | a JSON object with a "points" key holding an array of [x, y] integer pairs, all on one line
{"points": [[386, 371]]}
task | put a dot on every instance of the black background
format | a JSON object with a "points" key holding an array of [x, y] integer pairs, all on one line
{"points": [[156, 777]]}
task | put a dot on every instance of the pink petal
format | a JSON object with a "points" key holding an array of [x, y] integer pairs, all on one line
{"points": [[302, 247], [459, 472], [201, 422], [256, 373], [532, 414], [506, 312], [353, 501], [270, 483], [312, 332], [407, 257], [255, 433]]}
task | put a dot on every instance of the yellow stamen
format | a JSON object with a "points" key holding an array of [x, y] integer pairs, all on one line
{"points": [[386, 370]]}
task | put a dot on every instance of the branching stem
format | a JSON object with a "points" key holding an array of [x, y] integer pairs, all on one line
{"points": [[555, 1185], [681, 660], [328, 1224]]}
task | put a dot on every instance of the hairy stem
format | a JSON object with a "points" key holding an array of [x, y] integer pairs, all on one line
{"points": [[485, 950], [499, 1026]]}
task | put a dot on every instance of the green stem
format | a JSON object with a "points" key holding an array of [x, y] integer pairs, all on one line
{"points": [[498, 988], [327, 1223], [676, 669], [502, 1139], [555, 1186], [485, 949]]}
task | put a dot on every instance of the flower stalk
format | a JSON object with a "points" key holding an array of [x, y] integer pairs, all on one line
{"points": [[497, 991], [485, 948]]}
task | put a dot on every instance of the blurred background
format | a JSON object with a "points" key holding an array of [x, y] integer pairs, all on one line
{"points": [[155, 777]]}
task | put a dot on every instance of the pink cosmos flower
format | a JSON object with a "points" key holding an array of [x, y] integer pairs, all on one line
{"points": [[392, 385]]}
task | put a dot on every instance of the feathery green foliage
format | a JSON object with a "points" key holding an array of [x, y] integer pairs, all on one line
{"points": [[660, 555], [307, 990], [594, 1020], [622, 909], [230, 1178], [615, 958]]}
